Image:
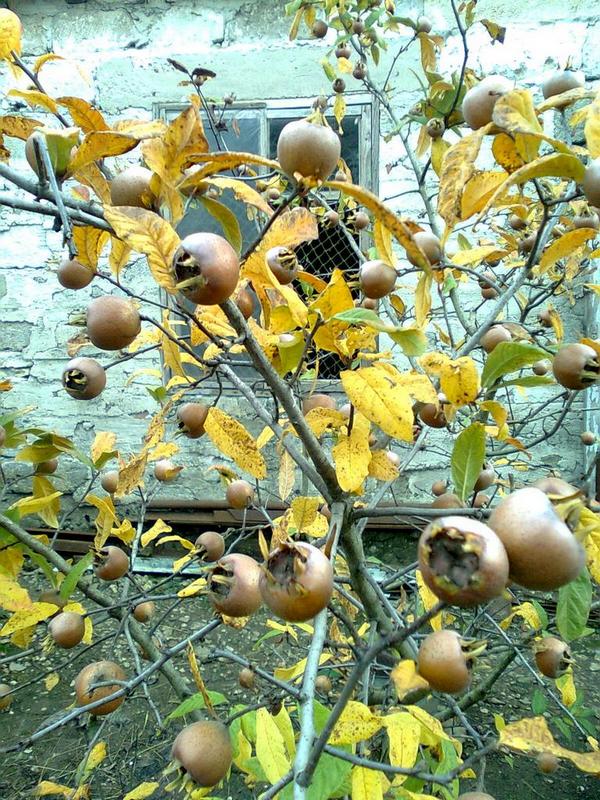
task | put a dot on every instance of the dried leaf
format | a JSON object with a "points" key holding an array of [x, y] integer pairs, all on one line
{"points": [[233, 440]]}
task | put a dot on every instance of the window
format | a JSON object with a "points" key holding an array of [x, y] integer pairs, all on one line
{"points": [[255, 127]]}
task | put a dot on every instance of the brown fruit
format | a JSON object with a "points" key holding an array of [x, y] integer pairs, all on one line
{"points": [[439, 488], [436, 128], [576, 366], [542, 551], [343, 51], [429, 244], [5, 697], [233, 585], [47, 467], [165, 470], [319, 29], [360, 71], [547, 763], [358, 27], [556, 487], [113, 563], [542, 367], [441, 661], [144, 611], [297, 581], [67, 629], [109, 481], [423, 25], [132, 188], [545, 318], [478, 103], [431, 415], [339, 86], [462, 561], [552, 656], [341, 176], [84, 378], [317, 401], [73, 275], [331, 219], [99, 672], [204, 751], [488, 293], [562, 81], [247, 678], [191, 418], [308, 149], [207, 268], [323, 684], [239, 494], [480, 500], [361, 221], [588, 438], [376, 279], [527, 243], [492, 338], [591, 182], [586, 221], [245, 302], [112, 322], [486, 477], [211, 544], [447, 500], [516, 222], [370, 303], [283, 263]]}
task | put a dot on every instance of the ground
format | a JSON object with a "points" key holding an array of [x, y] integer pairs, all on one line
{"points": [[138, 751]]}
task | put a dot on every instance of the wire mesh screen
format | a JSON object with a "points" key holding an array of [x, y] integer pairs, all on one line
{"points": [[332, 250]]}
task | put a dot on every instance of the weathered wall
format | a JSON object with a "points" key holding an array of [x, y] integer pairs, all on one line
{"points": [[122, 50]]}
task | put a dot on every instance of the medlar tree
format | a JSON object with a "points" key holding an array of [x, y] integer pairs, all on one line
{"points": [[477, 326]]}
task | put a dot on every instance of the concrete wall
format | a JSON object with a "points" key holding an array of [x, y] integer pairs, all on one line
{"points": [[121, 49]]}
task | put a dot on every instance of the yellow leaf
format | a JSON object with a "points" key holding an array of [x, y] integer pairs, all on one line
{"points": [[459, 378], [514, 112], [27, 618], [404, 734], [381, 467], [476, 255], [34, 505], [19, 127], [11, 561], [383, 243], [406, 680], [304, 511], [13, 597], [42, 488], [32, 97], [147, 233], [432, 732], [477, 192], [566, 686], [429, 599], [458, 167], [286, 729], [218, 162], [568, 244], [96, 757], [119, 255], [10, 33], [439, 147], [423, 299], [556, 165], [506, 154], [339, 110], [270, 747], [418, 386], [287, 475], [401, 230], [292, 673], [527, 612], [47, 788], [51, 680], [143, 791], [533, 736], [125, 532], [105, 520], [131, 474], [154, 532], [356, 723], [84, 115], [242, 191], [104, 442], [499, 414], [366, 784], [233, 440], [101, 144], [89, 242], [387, 405], [351, 455], [192, 589], [336, 298], [592, 128]]}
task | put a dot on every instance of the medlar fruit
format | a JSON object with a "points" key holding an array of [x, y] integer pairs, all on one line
{"points": [[492, 338], [206, 268], [73, 275], [431, 415], [443, 663], [67, 629], [191, 418], [239, 494], [211, 545], [233, 585], [283, 263], [576, 366], [112, 322], [112, 563], [132, 188], [308, 149], [552, 656], [204, 751], [462, 561], [99, 672], [479, 101], [429, 244], [376, 279], [84, 378]]}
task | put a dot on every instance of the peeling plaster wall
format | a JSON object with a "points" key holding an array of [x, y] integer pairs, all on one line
{"points": [[121, 49]]}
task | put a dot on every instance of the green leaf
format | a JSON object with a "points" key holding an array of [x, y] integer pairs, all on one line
{"points": [[412, 340], [541, 612], [509, 357], [530, 381], [574, 602], [194, 702], [467, 460], [67, 587], [328, 70], [539, 704], [227, 220]]}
